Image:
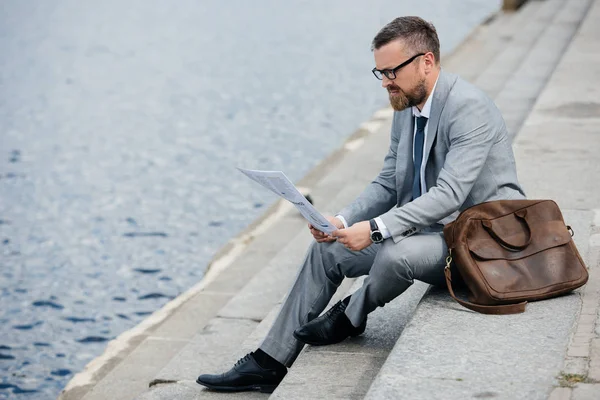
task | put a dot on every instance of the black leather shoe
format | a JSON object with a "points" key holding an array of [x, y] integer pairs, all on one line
{"points": [[245, 375], [331, 327]]}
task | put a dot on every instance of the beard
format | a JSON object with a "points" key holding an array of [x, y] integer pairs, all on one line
{"points": [[402, 100]]}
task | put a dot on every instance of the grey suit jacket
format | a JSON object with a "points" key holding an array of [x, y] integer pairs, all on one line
{"points": [[468, 160]]}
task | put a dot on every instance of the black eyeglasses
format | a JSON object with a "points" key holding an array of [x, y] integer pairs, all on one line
{"points": [[391, 73]]}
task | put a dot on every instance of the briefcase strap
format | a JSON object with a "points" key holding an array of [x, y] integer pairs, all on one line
{"points": [[498, 310]]}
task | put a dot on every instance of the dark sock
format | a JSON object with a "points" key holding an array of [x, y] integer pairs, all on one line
{"points": [[346, 301], [266, 361], [345, 318]]}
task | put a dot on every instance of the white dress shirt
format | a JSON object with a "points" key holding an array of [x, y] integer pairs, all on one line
{"points": [[416, 113]]}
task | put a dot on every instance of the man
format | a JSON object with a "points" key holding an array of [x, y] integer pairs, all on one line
{"points": [[449, 150]]}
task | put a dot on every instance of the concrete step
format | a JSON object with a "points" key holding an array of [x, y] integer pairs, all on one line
{"points": [[484, 46], [448, 352], [346, 370], [524, 36], [519, 94]]}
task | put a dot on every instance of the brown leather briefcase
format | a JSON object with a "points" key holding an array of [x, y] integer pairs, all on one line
{"points": [[509, 252]]}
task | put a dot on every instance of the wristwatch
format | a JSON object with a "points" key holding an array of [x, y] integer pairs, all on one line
{"points": [[376, 236]]}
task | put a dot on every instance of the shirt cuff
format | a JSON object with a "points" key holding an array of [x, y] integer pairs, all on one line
{"points": [[343, 220], [385, 232]]}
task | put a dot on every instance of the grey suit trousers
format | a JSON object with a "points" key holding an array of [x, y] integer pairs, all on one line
{"points": [[391, 268]]}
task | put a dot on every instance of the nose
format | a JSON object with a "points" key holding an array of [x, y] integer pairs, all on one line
{"points": [[385, 82]]}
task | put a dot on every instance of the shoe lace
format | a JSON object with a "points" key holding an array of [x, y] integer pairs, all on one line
{"points": [[336, 310], [242, 360]]}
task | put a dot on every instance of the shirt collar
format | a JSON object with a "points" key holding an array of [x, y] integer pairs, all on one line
{"points": [[427, 107]]}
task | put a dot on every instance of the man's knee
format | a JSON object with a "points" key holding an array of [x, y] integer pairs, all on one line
{"points": [[413, 258], [327, 255], [393, 262]]}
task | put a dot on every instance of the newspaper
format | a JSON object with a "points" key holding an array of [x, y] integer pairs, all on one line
{"points": [[278, 183]]}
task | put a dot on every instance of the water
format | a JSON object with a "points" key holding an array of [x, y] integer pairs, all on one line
{"points": [[121, 125]]}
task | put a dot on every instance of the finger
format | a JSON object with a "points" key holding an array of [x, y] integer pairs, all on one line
{"points": [[316, 232], [328, 239]]}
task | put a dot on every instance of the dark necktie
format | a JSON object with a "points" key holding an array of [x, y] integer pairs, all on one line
{"points": [[418, 147]]}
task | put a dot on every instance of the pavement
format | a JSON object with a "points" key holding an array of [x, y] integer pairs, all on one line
{"points": [[540, 66]]}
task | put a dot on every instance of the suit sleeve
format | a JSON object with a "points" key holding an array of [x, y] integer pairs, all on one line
{"points": [[472, 131], [380, 195]]}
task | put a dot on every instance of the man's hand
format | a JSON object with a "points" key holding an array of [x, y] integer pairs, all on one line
{"points": [[321, 237], [355, 238]]}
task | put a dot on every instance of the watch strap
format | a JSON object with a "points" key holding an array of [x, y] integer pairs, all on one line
{"points": [[373, 224]]}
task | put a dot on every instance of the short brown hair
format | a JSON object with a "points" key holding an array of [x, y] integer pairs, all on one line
{"points": [[418, 34]]}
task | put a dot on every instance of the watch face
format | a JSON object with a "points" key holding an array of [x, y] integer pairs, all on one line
{"points": [[376, 236]]}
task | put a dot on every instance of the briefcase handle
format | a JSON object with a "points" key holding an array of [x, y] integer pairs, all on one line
{"points": [[520, 215]]}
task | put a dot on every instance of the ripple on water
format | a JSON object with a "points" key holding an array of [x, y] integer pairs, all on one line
{"points": [[6, 357], [147, 270], [154, 296], [60, 372], [15, 156], [16, 389], [51, 304], [41, 344], [143, 313], [78, 320], [118, 298], [145, 234], [93, 339], [27, 327]]}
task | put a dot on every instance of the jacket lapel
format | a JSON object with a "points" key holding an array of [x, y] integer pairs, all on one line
{"points": [[442, 89], [404, 166]]}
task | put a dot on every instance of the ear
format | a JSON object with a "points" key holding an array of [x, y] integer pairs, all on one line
{"points": [[429, 60]]}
